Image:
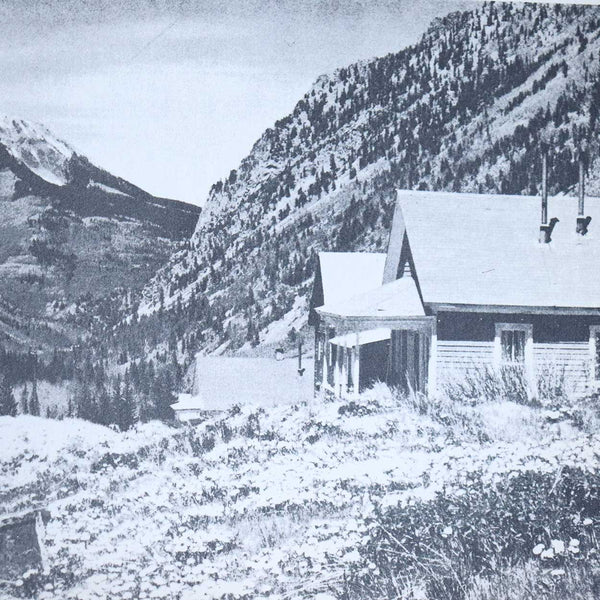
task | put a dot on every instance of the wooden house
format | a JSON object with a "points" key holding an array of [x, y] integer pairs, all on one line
{"points": [[469, 281]]}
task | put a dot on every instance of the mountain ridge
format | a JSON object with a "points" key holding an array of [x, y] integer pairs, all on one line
{"points": [[72, 234], [467, 108]]}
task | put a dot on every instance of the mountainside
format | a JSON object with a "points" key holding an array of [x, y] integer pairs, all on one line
{"points": [[465, 109], [72, 235]]}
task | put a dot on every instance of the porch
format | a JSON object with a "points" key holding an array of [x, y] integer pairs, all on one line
{"points": [[351, 356], [382, 335]]}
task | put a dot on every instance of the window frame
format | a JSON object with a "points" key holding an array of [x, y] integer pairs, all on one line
{"points": [[595, 363], [499, 360]]}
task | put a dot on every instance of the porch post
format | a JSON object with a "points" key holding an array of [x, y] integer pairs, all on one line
{"points": [[344, 371], [432, 367], [356, 374]]}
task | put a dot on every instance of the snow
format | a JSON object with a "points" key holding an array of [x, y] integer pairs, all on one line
{"points": [[108, 189], [295, 318], [363, 337], [7, 183], [222, 382], [35, 146], [346, 274], [484, 249], [400, 298], [276, 511]]}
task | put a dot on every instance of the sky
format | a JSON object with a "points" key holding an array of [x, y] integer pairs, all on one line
{"points": [[172, 94]]}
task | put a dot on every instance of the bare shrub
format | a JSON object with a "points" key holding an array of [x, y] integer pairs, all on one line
{"points": [[483, 383]]}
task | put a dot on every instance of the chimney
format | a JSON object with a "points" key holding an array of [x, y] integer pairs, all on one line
{"points": [[582, 221], [546, 228]]}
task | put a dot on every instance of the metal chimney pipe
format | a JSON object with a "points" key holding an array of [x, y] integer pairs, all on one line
{"points": [[545, 188], [581, 186], [582, 221], [545, 228]]}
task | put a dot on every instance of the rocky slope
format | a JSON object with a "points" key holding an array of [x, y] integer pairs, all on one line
{"points": [[72, 235], [465, 109]]}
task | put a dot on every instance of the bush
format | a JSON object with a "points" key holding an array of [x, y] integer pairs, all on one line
{"points": [[484, 384], [447, 544]]}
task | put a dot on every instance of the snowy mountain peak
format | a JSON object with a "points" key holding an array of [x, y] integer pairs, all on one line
{"points": [[37, 148]]}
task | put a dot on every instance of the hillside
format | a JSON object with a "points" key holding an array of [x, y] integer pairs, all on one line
{"points": [[465, 109], [386, 497], [73, 238]]}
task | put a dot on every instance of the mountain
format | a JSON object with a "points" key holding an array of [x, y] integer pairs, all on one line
{"points": [[73, 238], [467, 108]]}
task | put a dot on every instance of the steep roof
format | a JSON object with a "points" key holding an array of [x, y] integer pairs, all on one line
{"points": [[345, 274], [484, 250]]}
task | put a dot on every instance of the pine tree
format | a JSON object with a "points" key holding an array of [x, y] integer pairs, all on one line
{"points": [[8, 406], [24, 401], [161, 396], [34, 402], [124, 406]]}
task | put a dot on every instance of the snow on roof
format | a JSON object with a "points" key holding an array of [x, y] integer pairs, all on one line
{"points": [[364, 337], [484, 249], [223, 381], [188, 402], [346, 274], [399, 298]]}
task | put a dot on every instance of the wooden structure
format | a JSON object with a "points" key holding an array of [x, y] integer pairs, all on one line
{"points": [[469, 281], [22, 544]]}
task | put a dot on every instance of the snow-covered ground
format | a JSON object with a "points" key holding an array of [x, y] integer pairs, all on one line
{"points": [[256, 502]]}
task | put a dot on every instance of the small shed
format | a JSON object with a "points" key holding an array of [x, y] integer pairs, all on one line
{"points": [[222, 382], [22, 544]]}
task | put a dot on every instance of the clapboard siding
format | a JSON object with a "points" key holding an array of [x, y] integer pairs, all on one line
{"points": [[454, 358], [569, 358]]}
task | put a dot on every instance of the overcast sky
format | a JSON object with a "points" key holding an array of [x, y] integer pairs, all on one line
{"points": [[172, 94]]}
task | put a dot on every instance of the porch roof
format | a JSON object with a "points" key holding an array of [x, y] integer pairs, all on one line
{"points": [[397, 299], [362, 337]]}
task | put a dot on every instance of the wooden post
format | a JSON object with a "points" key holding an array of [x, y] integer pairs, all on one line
{"points": [[545, 188], [409, 371], [356, 373]]}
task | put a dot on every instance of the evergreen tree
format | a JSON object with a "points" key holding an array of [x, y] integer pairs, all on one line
{"points": [[124, 406], [161, 396], [24, 401], [85, 407], [34, 402], [8, 406], [106, 410]]}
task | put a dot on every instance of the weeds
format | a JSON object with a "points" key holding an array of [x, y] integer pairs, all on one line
{"points": [[455, 543]]}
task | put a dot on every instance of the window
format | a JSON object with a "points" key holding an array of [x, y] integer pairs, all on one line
{"points": [[513, 343]]}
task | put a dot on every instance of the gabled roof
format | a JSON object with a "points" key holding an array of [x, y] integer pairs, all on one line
{"points": [[345, 274], [399, 298], [484, 250]]}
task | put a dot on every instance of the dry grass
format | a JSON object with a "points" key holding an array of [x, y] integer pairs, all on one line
{"points": [[529, 582]]}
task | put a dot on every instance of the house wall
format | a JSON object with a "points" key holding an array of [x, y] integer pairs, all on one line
{"points": [[560, 344]]}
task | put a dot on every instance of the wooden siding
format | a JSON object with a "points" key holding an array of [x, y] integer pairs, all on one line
{"points": [[455, 358], [571, 358]]}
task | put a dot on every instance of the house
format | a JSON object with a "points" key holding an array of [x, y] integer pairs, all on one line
{"points": [[469, 281]]}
